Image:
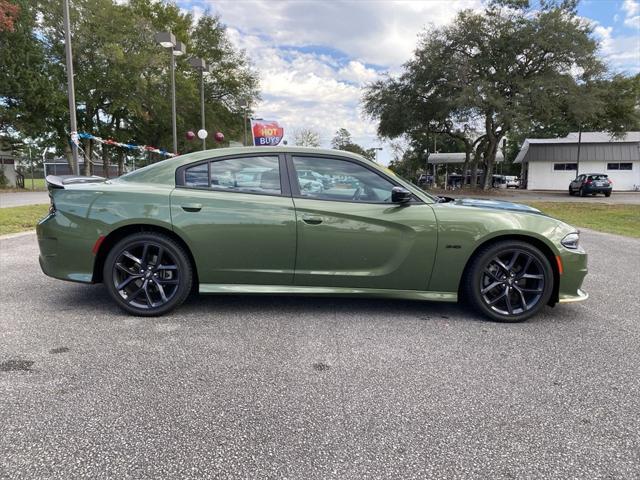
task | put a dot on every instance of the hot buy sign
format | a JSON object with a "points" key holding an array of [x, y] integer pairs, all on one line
{"points": [[266, 132]]}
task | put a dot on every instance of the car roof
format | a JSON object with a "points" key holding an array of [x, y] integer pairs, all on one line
{"points": [[163, 172]]}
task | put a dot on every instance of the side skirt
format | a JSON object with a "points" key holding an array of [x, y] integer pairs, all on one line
{"points": [[239, 289]]}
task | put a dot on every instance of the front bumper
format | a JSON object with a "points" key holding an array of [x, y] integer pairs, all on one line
{"points": [[579, 297], [574, 265]]}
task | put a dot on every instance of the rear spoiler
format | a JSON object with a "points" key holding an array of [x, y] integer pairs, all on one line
{"points": [[59, 181]]}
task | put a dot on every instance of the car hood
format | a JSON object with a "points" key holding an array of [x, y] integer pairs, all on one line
{"points": [[494, 204]]}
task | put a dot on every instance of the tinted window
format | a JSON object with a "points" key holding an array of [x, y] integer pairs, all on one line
{"points": [[249, 174], [565, 166], [332, 179], [197, 176], [620, 166], [597, 177]]}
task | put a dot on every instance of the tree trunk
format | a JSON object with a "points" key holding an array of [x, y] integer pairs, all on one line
{"points": [[69, 156], [120, 162], [467, 158], [490, 157], [87, 156], [105, 161]]}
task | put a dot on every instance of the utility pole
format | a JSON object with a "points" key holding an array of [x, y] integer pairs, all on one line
{"points": [[204, 140], [579, 143], [70, 88]]}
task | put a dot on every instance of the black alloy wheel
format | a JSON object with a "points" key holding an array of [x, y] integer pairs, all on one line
{"points": [[509, 281], [148, 274]]}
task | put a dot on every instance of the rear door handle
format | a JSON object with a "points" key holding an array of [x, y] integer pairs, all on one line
{"points": [[192, 207], [311, 220]]}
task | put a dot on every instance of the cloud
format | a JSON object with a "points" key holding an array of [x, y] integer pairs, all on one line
{"points": [[621, 52], [382, 33], [632, 13], [631, 7]]}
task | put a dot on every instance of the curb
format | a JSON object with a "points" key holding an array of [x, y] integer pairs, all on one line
{"points": [[17, 235]]}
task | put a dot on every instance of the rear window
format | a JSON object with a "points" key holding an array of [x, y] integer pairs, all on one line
{"points": [[598, 177], [260, 174]]}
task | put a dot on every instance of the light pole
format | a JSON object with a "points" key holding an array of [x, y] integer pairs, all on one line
{"points": [[245, 105], [200, 65], [70, 87], [375, 153], [168, 41]]}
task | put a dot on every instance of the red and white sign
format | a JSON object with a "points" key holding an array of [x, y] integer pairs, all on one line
{"points": [[266, 133]]}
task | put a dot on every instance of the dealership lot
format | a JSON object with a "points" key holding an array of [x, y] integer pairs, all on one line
{"points": [[282, 387]]}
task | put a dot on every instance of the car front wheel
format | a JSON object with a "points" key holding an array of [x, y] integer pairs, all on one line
{"points": [[148, 274], [509, 281]]}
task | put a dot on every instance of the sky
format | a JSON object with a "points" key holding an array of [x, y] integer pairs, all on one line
{"points": [[315, 56]]}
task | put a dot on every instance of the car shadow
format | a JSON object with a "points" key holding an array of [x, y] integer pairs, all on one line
{"points": [[94, 301]]}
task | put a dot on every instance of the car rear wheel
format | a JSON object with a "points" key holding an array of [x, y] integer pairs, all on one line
{"points": [[607, 194], [570, 192], [582, 192], [509, 281], [148, 274]]}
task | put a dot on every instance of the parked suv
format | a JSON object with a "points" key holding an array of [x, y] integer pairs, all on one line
{"points": [[591, 183]]}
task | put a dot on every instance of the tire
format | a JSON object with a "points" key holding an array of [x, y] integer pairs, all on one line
{"points": [[608, 194], [571, 192], [582, 192], [148, 274], [503, 294]]}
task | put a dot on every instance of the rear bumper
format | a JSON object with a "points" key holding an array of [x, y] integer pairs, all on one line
{"points": [[63, 255], [597, 189]]}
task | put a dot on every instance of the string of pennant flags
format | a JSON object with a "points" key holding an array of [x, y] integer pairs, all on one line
{"points": [[75, 137]]}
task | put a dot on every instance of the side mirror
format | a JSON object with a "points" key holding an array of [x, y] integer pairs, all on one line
{"points": [[400, 195]]}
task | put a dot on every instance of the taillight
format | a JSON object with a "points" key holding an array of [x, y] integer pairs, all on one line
{"points": [[588, 182], [52, 205]]}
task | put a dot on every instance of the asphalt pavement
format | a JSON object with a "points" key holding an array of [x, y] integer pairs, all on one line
{"points": [[308, 388], [16, 199]]}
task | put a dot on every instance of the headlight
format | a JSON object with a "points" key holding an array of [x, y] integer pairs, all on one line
{"points": [[571, 241]]}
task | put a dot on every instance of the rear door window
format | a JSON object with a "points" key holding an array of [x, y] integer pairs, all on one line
{"points": [[260, 174]]}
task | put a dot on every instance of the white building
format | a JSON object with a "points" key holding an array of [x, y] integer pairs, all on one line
{"points": [[552, 163]]}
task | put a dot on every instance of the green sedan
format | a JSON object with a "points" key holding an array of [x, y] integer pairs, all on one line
{"points": [[245, 221]]}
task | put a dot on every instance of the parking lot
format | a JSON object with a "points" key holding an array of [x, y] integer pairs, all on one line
{"points": [[525, 196], [282, 387]]}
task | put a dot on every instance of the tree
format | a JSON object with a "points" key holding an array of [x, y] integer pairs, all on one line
{"points": [[508, 68], [122, 83], [8, 15], [306, 137], [343, 141]]}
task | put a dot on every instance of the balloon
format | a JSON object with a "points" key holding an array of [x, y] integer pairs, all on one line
{"points": [[219, 136], [190, 135], [202, 134]]}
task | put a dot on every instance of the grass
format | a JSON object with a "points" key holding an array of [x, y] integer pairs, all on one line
{"points": [[20, 219], [39, 185], [618, 219]]}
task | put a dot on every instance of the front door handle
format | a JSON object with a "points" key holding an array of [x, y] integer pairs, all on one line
{"points": [[192, 207], [311, 219]]}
